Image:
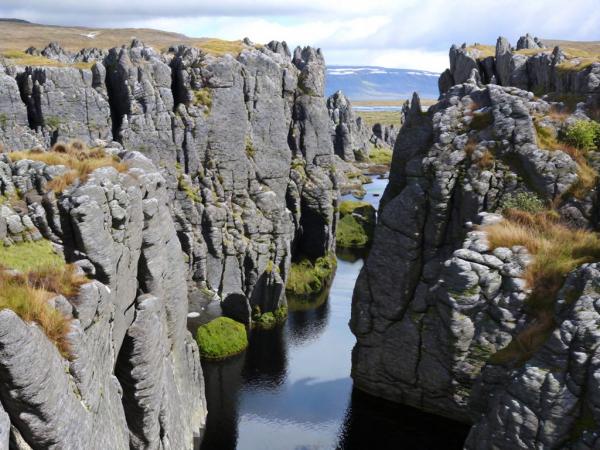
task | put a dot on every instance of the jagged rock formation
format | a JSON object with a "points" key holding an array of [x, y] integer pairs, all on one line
{"points": [[133, 379], [548, 71], [351, 138], [242, 143], [433, 302]]}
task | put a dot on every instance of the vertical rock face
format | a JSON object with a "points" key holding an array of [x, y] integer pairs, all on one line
{"points": [[432, 302], [244, 144], [133, 379]]}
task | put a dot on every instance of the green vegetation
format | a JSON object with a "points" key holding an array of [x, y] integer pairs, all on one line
{"points": [[221, 338], [30, 256], [381, 156], [3, 120], [191, 192], [42, 275], [370, 118], [268, 320], [523, 201], [356, 225], [52, 122], [583, 134], [20, 58], [203, 97], [557, 250], [220, 47], [308, 278]]}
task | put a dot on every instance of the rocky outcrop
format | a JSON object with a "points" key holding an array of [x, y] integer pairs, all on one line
{"points": [[132, 378], [351, 138], [433, 302], [244, 144], [552, 400], [547, 71]]}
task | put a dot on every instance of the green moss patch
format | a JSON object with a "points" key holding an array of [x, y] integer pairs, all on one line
{"points": [[30, 256], [221, 338], [381, 156], [269, 320], [356, 225], [308, 278]]}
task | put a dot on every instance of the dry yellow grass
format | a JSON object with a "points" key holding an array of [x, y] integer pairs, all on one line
{"points": [[43, 275], [19, 36], [76, 156], [20, 58], [370, 118], [557, 250], [480, 51]]}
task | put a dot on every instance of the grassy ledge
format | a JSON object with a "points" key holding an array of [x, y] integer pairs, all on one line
{"points": [[556, 250], [381, 156], [42, 275], [221, 338], [76, 156], [308, 278]]}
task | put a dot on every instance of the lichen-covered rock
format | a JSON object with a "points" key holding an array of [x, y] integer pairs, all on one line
{"points": [[551, 401], [224, 132], [432, 303], [351, 138], [133, 379]]}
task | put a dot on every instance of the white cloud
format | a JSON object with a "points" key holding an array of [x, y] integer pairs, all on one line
{"points": [[395, 33]]}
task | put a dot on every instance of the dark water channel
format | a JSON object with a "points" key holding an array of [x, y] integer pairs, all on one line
{"points": [[292, 388]]}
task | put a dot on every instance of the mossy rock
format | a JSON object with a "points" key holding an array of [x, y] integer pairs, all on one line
{"points": [[221, 338], [308, 278], [269, 320], [356, 225]]}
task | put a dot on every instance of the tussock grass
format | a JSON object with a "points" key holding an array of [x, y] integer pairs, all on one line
{"points": [[556, 250], [480, 51], [221, 338], [42, 275], [76, 156], [308, 278]]}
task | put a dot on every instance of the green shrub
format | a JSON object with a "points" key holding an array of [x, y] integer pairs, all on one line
{"points": [[53, 122], [523, 201], [307, 278], [203, 97], [583, 134], [221, 338], [250, 150]]}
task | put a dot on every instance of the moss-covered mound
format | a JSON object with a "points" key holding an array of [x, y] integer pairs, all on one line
{"points": [[221, 338], [268, 320], [356, 225], [308, 278], [381, 156]]}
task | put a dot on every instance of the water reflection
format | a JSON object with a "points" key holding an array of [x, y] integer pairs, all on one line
{"points": [[376, 423], [292, 388]]}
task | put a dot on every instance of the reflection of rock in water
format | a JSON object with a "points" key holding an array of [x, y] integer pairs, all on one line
{"points": [[223, 380], [351, 254], [371, 422], [308, 323], [266, 358]]}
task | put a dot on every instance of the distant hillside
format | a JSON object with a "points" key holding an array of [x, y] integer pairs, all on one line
{"points": [[373, 83]]}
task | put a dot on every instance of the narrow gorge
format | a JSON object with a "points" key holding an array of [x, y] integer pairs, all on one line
{"points": [[203, 250]]}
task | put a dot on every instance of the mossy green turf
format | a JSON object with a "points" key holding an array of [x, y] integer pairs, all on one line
{"points": [[221, 337], [309, 278], [269, 320], [357, 221], [28, 256], [381, 156]]}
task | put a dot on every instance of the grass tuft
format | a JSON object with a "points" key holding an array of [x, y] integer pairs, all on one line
{"points": [[308, 278], [221, 338], [381, 156], [556, 250], [76, 156]]}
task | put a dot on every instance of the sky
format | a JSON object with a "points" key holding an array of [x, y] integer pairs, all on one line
{"points": [[409, 34]]}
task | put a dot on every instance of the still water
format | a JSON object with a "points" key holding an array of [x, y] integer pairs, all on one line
{"points": [[292, 388]]}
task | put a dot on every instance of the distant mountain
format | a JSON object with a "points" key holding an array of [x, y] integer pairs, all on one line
{"points": [[380, 83]]}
